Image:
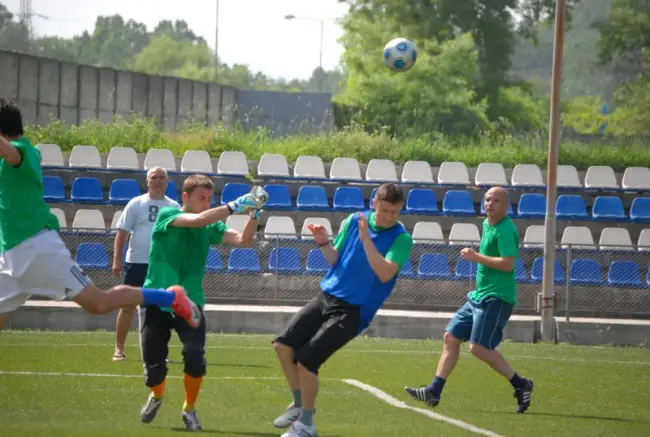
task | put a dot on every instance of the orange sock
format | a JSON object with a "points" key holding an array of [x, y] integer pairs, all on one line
{"points": [[159, 390], [192, 388]]}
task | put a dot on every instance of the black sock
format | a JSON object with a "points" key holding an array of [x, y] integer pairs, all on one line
{"points": [[517, 381]]}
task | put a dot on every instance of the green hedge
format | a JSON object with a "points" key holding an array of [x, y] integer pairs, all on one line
{"points": [[353, 142]]}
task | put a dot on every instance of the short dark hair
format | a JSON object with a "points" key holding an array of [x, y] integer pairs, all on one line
{"points": [[11, 120], [391, 193], [197, 181]]}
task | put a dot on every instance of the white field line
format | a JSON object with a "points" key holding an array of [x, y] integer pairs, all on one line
{"points": [[124, 376], [379, 394], [352, 350]]}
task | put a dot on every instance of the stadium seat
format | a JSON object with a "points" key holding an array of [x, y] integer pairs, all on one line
{"points": [[422, 201], [348, 199], [537, 272], [284, 259], [305, 233], [280, 227], [345, 169], [116, 218], [309, 167], [312, 198], [243, 260], [608, 208], [232, 164], [273, 165], [87, 190], [172, 191], [643, 243], [160, 158], [237, 222], [489, 174], [532, 205], [214, 262], [465, 269], [428, 232], [85, 157], [527, 176], [586, 272], [636, 179], [88, 219], [407, 270], [381, 170], [511, 211], [640, 209], [123, 190], [567, 177], [122, 158], [600, 177], [458, 203], [51, 155], [463, 234], [520, 271], [615, 239], [60, 215], [417, 172], [453, 173], [316, 262], [53, 190], [578, 238], [534, 236], [279, 197], [624, 274], [196, 161], [92, 256], [570, 207], [434, 265], [232, 191]]}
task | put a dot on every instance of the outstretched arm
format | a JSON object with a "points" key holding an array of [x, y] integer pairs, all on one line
{"points": [[208, 217], [241, 239], [9, 153]]}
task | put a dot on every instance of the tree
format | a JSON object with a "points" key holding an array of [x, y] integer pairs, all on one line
{"points": [[13, 35]]}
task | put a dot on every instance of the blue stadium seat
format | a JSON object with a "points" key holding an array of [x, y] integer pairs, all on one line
{"points": [[92, 256], [407, 270], [640, 209], [510, 212], [586, 272], [537, 272], [53, 189], [624, 274], [571, 206], [647, 279], [532, 205], [434, 265], [214, 262], [87, 190], [312, 198], [348, 199], [279, 197], [608, 208], [520, 271], [421, 201], [284, 259], [465, 269], [243, 261], [171, 190], [459, 203], [316, 262], [232, 191], [123, 190]]}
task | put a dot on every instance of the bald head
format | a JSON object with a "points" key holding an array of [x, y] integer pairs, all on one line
{"points": [[157, 182], [496, 204]]}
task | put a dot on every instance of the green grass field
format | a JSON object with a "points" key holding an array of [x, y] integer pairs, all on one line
{"points": [[65, 384]]}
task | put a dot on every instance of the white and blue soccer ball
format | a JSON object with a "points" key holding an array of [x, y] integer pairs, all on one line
{"points": [[400, 55]]}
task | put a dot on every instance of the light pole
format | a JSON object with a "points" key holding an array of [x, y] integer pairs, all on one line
{"points": [[322, 29], [216, 42]]}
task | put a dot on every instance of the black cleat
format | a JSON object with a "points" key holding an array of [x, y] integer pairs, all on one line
{"points": [[423, 395], [523, 396]]}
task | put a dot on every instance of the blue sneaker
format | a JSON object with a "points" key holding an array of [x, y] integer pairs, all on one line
{"points": [[423, 395]]}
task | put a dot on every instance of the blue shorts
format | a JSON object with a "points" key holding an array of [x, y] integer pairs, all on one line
{"points": [[481, 323], [135, 274]]}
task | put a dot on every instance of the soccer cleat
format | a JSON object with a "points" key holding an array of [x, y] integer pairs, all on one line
{"points": [[299, 429], [289, 416], [423, 395], [185, 308], [150, 409], [523, 396], [191, 421]]}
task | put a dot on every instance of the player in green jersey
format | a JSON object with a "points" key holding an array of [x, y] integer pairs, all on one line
{"points": [[33, 258], [180, 242]]}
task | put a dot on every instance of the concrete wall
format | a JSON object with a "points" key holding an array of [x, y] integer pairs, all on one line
{"points": [[47, 89]]}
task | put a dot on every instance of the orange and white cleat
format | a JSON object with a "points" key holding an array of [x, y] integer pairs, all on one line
{"points": [[184, 307]]}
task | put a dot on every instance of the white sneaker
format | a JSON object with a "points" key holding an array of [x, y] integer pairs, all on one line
{"points": [[299, 429], [289, 416]]}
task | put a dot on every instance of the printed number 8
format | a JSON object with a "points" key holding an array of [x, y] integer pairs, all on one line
{"points": [[153, 213]]}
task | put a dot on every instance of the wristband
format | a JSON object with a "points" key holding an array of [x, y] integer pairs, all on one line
{"points": [[323, 245], [229, 208]]}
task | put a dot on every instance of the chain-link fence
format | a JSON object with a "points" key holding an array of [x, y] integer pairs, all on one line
{"points": [[281, 270]]}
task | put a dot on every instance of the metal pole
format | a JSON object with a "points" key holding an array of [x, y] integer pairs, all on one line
{"points": [[320, 63], [548, 320], [216, 41]]}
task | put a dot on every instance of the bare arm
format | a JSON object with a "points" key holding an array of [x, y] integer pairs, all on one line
{"points": [[330, 254], [9, 153], [118, 250], [506, 264], [384, 269], [208, 217], [241, 239]]}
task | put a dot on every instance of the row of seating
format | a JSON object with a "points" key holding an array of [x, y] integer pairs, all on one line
{"points": [[344, 169], [621, 273], [350, 198], [579, 237]]}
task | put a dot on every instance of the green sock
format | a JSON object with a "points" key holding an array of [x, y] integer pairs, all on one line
{"points": [[307, 417], [297, 398]]}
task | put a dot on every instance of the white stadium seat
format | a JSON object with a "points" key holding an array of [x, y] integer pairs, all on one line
{"points": [[122, 158], [534, 236], [453, 173], [615, 239], [51, 155], [88, 219], [345, 169], [58, 212], [417, 172], [567, 177], [428, 232], [196, 161], [233, 163], [160, 158], [381, 170], [527, 175], [489, 173], [636, 178], [309, 167], [280, 227], [305, 233], [273, 164], [85, 157], [578, 237], [464, 233], [600, 176]]}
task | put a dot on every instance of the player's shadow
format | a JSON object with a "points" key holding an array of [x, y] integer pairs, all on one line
{"points": [[568, 416], [242, 433], [213, 364]]}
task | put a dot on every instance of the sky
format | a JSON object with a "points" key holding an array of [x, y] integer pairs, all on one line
{"points": [[251, 32]]}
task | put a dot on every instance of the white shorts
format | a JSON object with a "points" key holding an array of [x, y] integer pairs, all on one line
{"points": [[40, 266]]}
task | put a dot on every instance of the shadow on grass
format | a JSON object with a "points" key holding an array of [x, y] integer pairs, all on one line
{"points": [[242, 433], [568, 416], [209, 364]]}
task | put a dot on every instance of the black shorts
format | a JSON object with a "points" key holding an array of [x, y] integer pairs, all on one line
{"points": [[319, 329], [135, 274]]}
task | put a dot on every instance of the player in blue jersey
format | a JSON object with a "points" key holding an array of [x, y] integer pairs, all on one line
{"points": [[364, 259]]}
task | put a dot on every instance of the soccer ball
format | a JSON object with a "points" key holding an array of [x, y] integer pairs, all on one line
{"points": [[400, 54]]}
